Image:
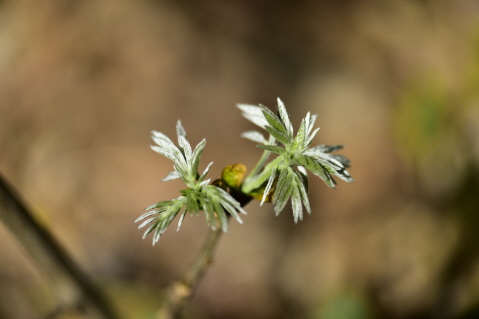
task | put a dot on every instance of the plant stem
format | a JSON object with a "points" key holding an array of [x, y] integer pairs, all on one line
{"points": [[181, 290], [253, 182], [70, 284], [259, 166]]}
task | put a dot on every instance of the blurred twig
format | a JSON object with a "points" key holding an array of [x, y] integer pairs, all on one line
{"points": [[457, 272], [70, 284]]}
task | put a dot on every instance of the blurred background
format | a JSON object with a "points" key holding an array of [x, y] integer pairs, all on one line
{"points": [[82, 84]]}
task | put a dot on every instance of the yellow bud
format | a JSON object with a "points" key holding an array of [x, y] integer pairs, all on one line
{"points": [[233, 175]]}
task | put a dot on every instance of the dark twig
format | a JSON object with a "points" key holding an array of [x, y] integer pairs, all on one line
{"points": [[71, 285]]}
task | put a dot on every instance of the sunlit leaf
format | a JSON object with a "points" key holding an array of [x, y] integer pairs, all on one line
{"points": [[295, 152], [198, 196], [255, 137]]}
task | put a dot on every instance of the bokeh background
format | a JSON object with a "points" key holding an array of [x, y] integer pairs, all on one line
{"points": [[82, 84]]}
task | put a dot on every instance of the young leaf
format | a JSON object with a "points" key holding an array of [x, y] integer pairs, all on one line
{"points": [[255, 137], [198, 195], [253, 113], [295, 152]]}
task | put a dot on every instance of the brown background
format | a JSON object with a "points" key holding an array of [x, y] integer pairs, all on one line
{"points": [[82, 84]]}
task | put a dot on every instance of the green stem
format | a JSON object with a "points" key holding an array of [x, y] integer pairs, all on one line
{"points": [[259, 166], [257, 181]]}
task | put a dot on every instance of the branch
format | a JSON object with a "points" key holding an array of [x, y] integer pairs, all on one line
{"points": [[71, 285], [182, 290]]}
